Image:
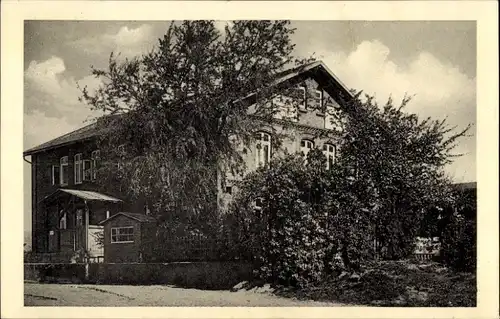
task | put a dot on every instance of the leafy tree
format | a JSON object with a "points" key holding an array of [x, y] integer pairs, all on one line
{"points": [[384, 184], [401, 158], [188, 103]]}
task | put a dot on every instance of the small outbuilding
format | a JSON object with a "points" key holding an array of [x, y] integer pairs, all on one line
{"points": [[128, 237]]}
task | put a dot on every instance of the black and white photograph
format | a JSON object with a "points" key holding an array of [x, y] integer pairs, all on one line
{"points": [[250, 163]]}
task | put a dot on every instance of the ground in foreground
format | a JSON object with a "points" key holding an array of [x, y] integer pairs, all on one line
{"points": [[396, 283], [151, 296]]}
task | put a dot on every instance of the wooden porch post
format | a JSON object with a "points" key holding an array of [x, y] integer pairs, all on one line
{"points": [[86, 227]]}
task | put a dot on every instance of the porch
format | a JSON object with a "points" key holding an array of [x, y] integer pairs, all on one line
{"points": [[71, 225]]}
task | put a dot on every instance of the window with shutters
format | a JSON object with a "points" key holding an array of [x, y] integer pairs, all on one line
{"points": [[263, 148], [329, 150]]}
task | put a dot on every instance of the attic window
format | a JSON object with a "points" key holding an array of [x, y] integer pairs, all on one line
{"points": [[300, 95], [318, 97]]}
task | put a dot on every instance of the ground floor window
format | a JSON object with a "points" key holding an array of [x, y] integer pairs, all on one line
{"points": [[122, 234]]}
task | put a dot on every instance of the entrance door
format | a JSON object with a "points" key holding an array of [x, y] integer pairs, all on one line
{"points": [[80, 230], [53, 241]]}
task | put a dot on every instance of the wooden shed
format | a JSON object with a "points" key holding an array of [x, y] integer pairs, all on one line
{"points": [[128, 237]]}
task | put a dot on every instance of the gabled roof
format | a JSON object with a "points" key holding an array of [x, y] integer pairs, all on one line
{"points": [[139, 217], [81, 134], [332, 85]]}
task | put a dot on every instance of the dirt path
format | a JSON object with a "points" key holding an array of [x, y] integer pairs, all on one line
{"points": [[150, 296]]}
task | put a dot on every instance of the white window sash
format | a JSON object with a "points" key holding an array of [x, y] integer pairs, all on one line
{"points": [[63, 165], [54, 175], [117, 233]]}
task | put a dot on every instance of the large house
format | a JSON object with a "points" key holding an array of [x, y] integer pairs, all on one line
{"points": [[68, 211]]}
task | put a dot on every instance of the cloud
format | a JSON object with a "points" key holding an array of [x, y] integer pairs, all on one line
{"points": [[129, 42], [441, 90], [51, 105]]}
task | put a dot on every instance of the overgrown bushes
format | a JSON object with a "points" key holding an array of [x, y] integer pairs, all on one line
{"points": [[294, 220], [459, 244], [295, 216]]}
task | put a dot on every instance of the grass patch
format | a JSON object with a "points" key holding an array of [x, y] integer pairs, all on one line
{"points": [[396, 283]]}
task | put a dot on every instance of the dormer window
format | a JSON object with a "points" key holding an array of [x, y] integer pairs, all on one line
{"points": [[263, 148]]}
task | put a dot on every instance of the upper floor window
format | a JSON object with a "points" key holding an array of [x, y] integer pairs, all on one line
{"points": [[300, 95], [56, 175], [318, 96], [64, 170], [121, 156], [87, 170], [263, 148], [94, 163], [306, 146], [78, 168], [329, 151]]}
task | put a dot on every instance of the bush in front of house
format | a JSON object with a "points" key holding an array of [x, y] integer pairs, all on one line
{"points": [[279, 223], [459, 244]]}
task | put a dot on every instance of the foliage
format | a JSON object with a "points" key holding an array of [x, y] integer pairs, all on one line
{"points": [[185, 105], [459, 244], [286, 235], [402, 157], [395, 283], [386, 178]]}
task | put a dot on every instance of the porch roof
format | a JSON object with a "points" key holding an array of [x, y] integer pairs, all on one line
{"points": [[86, 195]]}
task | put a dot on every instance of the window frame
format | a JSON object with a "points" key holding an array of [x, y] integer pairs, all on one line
{"points": [[86, 169], [319, 100], [261, 158], [95, 156], [117, 234], [78, 168], [54, 181], [120, 151], [63, 220], [327, 153], [305, 141], [303, 95], [63, 164]]}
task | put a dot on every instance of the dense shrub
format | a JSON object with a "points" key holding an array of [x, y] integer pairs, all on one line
{"points": [[459, 244], [286, 235]]}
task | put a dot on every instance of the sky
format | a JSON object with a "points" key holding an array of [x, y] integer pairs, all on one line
{"points": [[433, 61]]}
